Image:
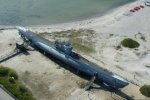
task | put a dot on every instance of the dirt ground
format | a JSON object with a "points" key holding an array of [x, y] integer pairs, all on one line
{"points": [[49, 81]]}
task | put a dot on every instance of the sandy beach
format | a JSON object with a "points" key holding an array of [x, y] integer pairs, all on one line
{"points": [[50, 82]]}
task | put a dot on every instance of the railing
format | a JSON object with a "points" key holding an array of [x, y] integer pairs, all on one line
{"points": [[9, 55]]}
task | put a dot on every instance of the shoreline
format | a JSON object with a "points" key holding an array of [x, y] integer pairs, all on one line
{"points": [[110, 30], [101, 21]]}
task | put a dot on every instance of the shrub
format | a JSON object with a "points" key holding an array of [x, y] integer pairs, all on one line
{"points": [[130, 43], [145, 90], [23, 89], [118, 47], [81, 84], [11, 80], [4, 71], [13, 74]]}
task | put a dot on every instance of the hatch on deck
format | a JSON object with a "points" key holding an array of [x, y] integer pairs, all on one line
{"points": [[66, 47]]}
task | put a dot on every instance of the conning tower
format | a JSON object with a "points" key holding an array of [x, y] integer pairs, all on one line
{"points": [[65, 47]]}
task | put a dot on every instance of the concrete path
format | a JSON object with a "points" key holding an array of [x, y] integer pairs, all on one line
{"points": [[4, 95]]}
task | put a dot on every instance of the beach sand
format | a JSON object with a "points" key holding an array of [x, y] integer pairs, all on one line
{"points": [[48, 81]]}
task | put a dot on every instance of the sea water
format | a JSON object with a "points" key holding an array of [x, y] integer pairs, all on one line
{"points": [[44, 12]]}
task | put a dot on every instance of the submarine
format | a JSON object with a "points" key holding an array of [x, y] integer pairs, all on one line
{"points": [[63, 51]]}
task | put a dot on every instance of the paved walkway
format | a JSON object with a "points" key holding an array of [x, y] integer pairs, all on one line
{"points": [[4, 95]]}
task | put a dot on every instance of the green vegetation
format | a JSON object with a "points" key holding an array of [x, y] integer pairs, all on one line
{"points": [[12, 73], [81, 84], [145, 90], [9, 79], [3, 71], [130, 43], [82, 46], [80, 39], [118, 47]]}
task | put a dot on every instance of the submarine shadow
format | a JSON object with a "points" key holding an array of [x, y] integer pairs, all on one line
{"points": [[113, 91], [86, 77]]}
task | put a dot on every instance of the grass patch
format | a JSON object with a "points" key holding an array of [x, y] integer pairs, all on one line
{"points": [[82, 47], [71, 33], [130, 43], [4, 71], [80, 39], [145, 90], [81, 84], [9, 79]]}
